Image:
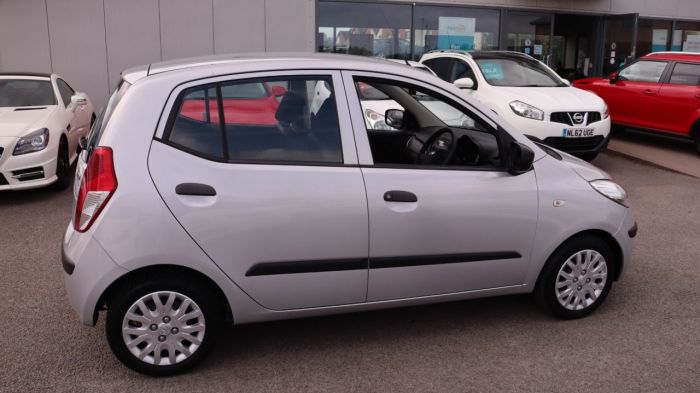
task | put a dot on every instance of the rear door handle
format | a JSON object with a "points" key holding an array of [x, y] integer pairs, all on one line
{"points": [[195, 189], [649, 92], [400, 196]]}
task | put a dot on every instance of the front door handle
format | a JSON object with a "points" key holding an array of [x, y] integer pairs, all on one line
{"points": [[400, 196], [195, 189], [649, 92]]}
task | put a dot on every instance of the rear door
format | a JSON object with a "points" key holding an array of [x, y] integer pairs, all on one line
{"points": [[678, 104], [281, 207]]}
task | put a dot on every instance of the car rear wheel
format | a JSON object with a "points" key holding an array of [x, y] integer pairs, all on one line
{"points": [[162, 326], [62, 166], [577, 277]]}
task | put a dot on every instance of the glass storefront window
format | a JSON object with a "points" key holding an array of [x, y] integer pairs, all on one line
{"points": [[368, 29], [653, 36], [529, 33], [686, 37], [447, 27]]}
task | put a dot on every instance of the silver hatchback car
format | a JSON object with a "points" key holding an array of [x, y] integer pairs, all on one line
{"points": [[252, 188]]}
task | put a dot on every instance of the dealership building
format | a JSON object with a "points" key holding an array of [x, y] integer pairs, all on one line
{"points": [[89, 42]]}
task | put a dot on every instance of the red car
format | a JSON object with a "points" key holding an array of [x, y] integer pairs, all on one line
{"points": [[658, 92], [248, 103]]}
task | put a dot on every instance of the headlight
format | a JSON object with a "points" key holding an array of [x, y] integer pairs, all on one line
{"points": [[611, 190], [376, 120], [37, 140], [606, 112], [522, 109]]}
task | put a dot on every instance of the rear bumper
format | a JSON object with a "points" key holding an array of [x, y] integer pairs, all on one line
{"points": [[88, 273]]}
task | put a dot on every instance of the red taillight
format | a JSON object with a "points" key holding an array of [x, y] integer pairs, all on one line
{"points": [[98, 184]]}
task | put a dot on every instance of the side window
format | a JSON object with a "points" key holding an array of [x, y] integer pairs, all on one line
{"points": [[431, 130], [685, 74], [288, 119], [441, 66], [460, 69], [643, 71], [196, 126], [278, 120], [65, 91]]}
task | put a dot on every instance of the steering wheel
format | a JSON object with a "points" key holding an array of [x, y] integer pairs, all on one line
{"points": [[439, 149]]}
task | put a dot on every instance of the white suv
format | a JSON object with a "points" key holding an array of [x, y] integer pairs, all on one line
{"points": [[530, 96]]}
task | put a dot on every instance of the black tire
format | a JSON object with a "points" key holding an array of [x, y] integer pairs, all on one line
{"points": [[63, 167], [696, 137], [124, 297], [546, 288]]}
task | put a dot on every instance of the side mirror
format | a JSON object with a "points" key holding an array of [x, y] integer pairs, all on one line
{"points": [[464, 83], [278, 91], [520, 158], [394, 118], [613, 78], [79, 99], [82, 144]]}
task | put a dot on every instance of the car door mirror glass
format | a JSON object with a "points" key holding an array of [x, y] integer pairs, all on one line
{"points": [[464, 83], [520, 158], [394, 118]]}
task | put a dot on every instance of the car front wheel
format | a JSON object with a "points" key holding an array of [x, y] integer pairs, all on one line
{"points": [[62, 167], [577, 277], [162, 326]]}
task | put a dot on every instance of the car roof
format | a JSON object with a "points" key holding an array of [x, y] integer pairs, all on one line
{"points": [[680, 56], [28, 74], [481, 54], [265, 59]]}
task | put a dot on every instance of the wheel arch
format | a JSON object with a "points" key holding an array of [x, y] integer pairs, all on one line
{"points": [[603, 235], [155, 270]]}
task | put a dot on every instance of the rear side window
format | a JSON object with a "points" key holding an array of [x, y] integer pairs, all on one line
{"points": [[65, 91], [291, 119], [643, 71], [196, 126], [685, 74]]}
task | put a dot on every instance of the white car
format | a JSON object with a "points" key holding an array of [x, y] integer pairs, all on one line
{"points": [[41, 122], [530, 96], [375, 104]]}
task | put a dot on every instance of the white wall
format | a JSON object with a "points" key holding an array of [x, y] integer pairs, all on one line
{"points": [[89, 42]]}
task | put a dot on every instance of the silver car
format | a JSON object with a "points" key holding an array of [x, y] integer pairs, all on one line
{"points": [[229, 190]]}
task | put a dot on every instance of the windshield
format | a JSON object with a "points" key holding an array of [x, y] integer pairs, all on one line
{"points": [[26, 92], [517, 73]]}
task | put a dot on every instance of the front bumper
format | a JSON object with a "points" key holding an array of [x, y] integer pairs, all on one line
{"points": [[26, 171], [88, 273], [624, 235]]}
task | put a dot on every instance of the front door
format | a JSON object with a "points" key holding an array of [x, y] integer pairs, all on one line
{"points": [[269, 190], [439, 227], [632, 97]]}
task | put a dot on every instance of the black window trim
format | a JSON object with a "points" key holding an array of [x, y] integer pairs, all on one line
{"points": [[225, 159], [58, 80]]}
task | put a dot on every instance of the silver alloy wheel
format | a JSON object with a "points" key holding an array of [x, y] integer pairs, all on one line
{"points": [[163, 328], [581, 280]]}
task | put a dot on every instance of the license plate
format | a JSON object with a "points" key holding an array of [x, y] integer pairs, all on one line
{"points": [[576, 132]]}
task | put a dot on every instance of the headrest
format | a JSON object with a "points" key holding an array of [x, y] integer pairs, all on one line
{"points": [[291, 108]]}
